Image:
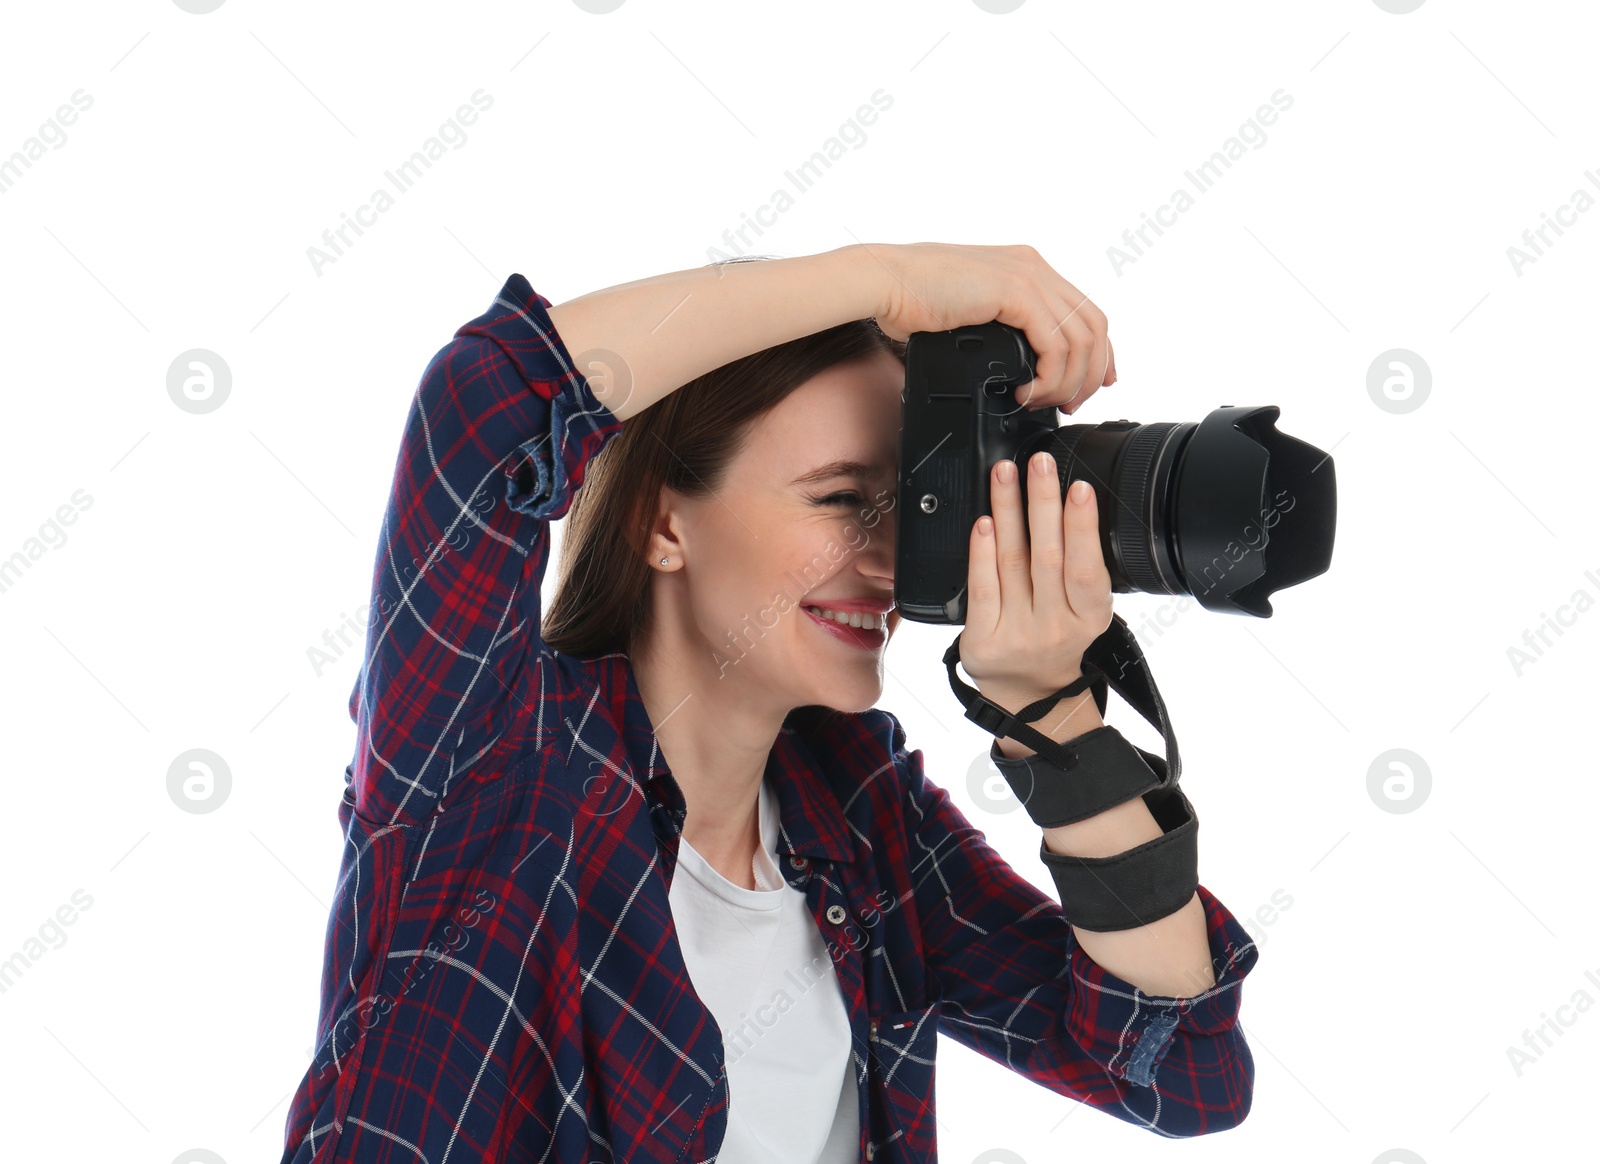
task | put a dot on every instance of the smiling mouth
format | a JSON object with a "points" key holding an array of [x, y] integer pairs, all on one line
{"points": [[867, 620], [870, 636]]}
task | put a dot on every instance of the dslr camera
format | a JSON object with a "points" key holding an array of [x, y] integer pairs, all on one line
{"points": [[1227, 509]]}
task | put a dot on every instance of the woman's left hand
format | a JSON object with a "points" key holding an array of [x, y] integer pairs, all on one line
{"points": [[1034, 602]]}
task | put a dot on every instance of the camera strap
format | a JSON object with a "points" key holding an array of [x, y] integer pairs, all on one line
{"points": [[1113, 659], [1127, 889]]}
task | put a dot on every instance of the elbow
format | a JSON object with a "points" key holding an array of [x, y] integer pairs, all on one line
{"points": [[1241, 1080], [1229, 1116], [1221, 1104], [1235, 1075]]}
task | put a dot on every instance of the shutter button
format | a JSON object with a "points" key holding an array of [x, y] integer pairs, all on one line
{"points": [[797, 862], [836, 914]]}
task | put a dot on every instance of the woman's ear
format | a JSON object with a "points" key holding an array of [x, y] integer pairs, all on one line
{"points": [[666, 532]]}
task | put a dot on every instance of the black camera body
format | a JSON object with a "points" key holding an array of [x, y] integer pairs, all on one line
{"points": [[1185, 508]]}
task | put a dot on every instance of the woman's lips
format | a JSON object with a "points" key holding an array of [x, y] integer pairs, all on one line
{"points": [[868, 638]]}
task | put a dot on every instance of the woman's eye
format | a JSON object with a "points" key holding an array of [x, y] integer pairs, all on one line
{"points": [[847, 498]]}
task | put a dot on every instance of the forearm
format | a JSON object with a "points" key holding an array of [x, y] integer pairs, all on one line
{"points": [[1169, 956], [669, 329]]}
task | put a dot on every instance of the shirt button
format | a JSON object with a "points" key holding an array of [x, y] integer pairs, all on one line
{"points": [[872, 1149], [872, 1029], [797, 862], [836, 914]]}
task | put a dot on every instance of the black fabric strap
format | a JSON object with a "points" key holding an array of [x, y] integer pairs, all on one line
{"points": [[1139, 886], [1107, 771], [996, 720], [1113, 659], [1067, 782]]}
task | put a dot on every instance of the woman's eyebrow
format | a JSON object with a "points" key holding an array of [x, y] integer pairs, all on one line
{"points": [[841, 468]]}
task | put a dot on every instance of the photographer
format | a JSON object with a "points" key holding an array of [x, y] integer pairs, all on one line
{"points": [[717, 909]]}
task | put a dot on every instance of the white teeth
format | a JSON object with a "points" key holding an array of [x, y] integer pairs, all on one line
{"points": [[855, 619]]}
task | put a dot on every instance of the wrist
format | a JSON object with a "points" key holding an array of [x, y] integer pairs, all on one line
{"points": [[1072, 716], [1014, 697], [868, 283]]}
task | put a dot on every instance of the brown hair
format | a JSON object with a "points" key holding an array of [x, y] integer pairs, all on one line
{"points": [[686, 441]]}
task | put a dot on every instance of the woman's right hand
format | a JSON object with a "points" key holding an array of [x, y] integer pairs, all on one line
{"points": [[938, 286]]}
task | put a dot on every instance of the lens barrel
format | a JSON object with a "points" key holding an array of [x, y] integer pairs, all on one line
{"points": [[1228, 509]]}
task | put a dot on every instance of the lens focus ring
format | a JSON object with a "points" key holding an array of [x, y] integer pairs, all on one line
{"points": [[1134, 522]]}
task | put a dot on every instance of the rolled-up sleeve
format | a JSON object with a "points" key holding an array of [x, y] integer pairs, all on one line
{"points": [[500, 431], [1190, 1049]]}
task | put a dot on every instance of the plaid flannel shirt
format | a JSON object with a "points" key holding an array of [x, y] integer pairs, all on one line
{"points": [[502, 979]]}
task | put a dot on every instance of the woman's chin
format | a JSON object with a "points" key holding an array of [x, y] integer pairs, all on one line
{"points": [[854, 694]]}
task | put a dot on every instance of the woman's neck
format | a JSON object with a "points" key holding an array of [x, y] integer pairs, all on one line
{"points": [[717, 745]]}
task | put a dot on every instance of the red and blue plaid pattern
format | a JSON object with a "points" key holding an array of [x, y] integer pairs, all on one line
{"points": [[502, 979]]}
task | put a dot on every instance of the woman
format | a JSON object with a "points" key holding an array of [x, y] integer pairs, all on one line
{"points": [[650, 878]]}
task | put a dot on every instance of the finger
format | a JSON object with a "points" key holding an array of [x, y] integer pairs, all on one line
{"points": [[1087, 581], [1046, 535], [1097, 361], [1049, 346], [1111, 366], [1039, 310], [983, 583], [1080, 350], [1011, 547]]}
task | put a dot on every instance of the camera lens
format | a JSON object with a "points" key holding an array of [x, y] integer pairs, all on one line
{"points": [[1228, 509]]}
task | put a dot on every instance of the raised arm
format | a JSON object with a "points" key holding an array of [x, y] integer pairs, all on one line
{"points": [[669, 329], [496, 441], [510, 412]]}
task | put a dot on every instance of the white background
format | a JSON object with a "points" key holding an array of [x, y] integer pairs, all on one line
{"points": [[176, 1012]]}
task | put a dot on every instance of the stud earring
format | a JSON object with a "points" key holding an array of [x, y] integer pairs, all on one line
{"points": [[663, 561]]}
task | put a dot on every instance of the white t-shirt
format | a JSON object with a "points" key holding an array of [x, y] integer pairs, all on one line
{"points": [[759, 964]]}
